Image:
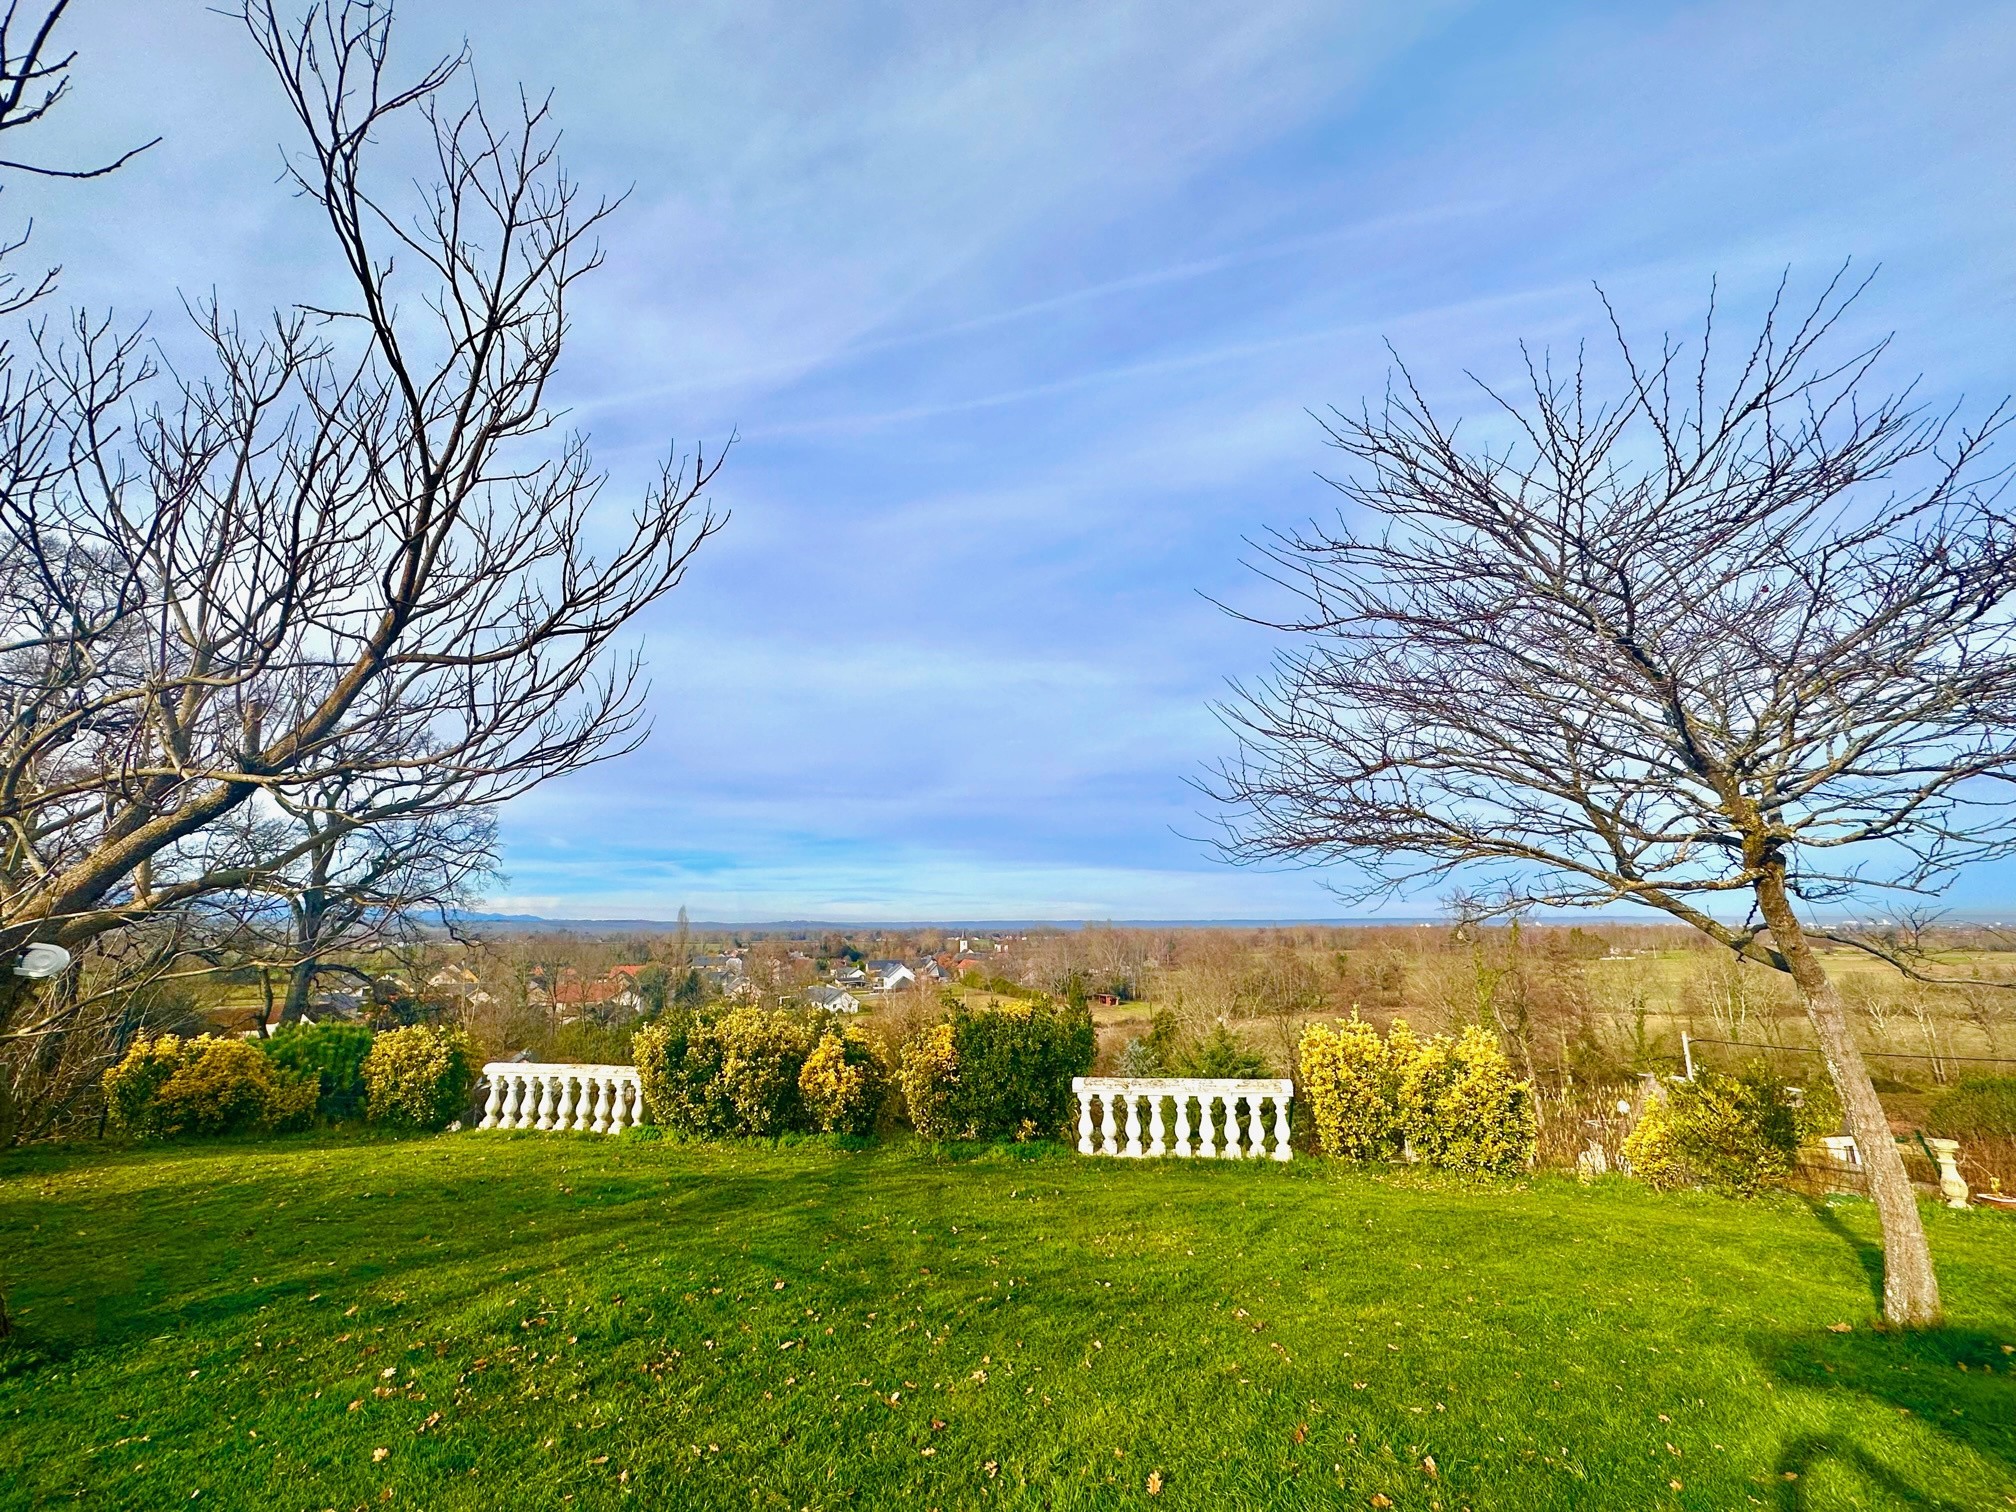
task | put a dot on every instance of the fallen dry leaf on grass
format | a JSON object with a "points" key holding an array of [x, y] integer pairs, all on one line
{"points": [[1154, 1482]]}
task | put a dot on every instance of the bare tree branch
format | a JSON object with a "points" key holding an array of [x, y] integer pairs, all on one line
{"points": [[1739, 636]]}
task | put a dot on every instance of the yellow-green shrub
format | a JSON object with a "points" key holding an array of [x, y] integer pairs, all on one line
{"points": [[169, 1086], [1351, 1090], [418, 1077], [737, 1074], [762, 1054], [1465, 1110], [928, 1072], [1736, 1134], [841, 1083], [1450, 1102], [130, 1086]]}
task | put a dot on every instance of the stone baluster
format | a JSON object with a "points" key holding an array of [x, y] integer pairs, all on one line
{"points": [[1256, 1146], [1156, 1144], [1280, 1127], [1207, 1139], [1133, 1102], [495, 1103], [1952, 1185], [1084, 1120], [624, 1104], [544, 1122], [1109, 1141], [1183, 1124], [564, 1114], [584, 1105], [598, 1123], [1235, 1134], [521, 1100]]}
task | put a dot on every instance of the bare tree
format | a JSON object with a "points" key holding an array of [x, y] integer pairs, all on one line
{"points": [[380, 872], [34, 79], [1734, 644], [356, 545]]}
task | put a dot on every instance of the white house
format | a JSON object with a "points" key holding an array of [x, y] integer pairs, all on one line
{"points": [[889, 975], [833, 1000]]}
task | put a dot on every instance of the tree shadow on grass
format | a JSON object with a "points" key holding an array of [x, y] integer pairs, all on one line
{"points": [[221, 1254], [1868, 1252], [174, 1265], [1957, 1382]]}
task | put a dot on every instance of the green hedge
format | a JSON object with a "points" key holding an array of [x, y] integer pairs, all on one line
{"points": [[333, 1054], [1980, 1107], [995, 1073]]}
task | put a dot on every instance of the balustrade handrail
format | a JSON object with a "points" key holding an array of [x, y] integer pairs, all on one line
{"points": [[541, 1095], [1208, 1092]]}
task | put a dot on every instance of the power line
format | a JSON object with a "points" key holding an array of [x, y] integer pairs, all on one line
{"points": [[1914, 1055]]}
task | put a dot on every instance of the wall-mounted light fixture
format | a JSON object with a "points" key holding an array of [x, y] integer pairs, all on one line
{"points": [[40, 962]]}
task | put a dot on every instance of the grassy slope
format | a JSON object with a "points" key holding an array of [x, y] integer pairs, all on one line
{"points": [[514, 1319]]}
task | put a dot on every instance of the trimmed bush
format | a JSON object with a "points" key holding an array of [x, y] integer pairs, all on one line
{"points": [[1466, 1111], [1351, 1086], [1980, 1107], [419, 1077], [841, 1083], [168, 1086], [1449, 1102], [131, 1085], [928, 1072], [998, 1072], [1737, 1134], [332, 1055], [737, 1074]]}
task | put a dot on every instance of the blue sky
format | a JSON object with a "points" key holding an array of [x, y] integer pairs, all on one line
{"points": [[1018, 311]]}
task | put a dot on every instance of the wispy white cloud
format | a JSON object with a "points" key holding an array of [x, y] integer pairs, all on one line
{"points": [[1018, 310]]}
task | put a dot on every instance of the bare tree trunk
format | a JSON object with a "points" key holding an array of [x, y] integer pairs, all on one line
{"points": [[1910, 1289], [266, 997], [300, 981]]}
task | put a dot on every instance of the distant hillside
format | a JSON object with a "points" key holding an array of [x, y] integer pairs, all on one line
{"points": [[803, 926]]}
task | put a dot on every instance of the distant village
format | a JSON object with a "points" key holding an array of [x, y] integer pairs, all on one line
{"points": [[832, 975]]}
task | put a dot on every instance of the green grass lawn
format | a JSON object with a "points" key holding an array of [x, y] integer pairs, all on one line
{"points": [[523, 1320]]}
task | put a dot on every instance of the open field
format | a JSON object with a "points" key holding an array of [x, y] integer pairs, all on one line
{"points": [[479, 1320]]}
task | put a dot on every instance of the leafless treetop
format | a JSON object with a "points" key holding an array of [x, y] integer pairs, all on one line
{"points": [[1727, 612]]}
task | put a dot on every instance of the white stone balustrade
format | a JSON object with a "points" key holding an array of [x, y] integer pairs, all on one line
{"points": [[1216, 1132], [549, 1095]]}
